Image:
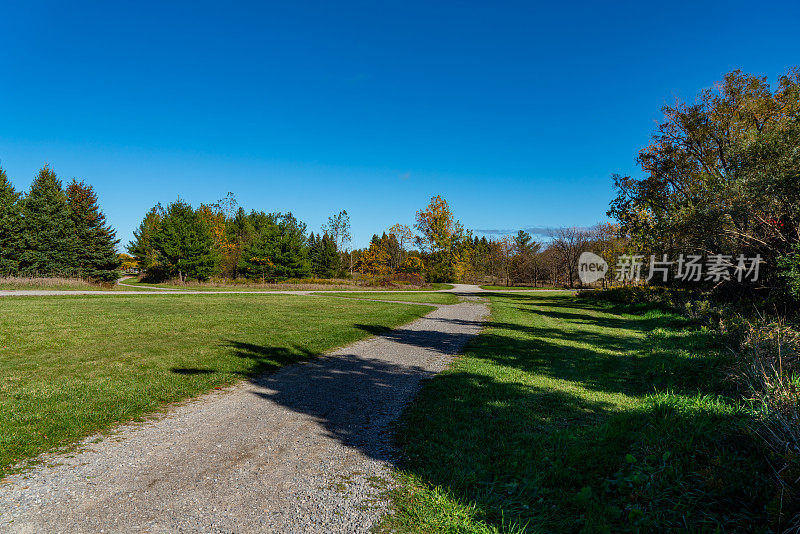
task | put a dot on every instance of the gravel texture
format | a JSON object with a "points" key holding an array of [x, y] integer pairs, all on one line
{"points": [[306, 449]]}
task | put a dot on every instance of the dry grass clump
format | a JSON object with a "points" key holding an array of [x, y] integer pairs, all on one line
{"points": [[298, 284], [770, 370], [45, 282]]}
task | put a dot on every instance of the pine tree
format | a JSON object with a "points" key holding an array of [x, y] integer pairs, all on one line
{"points": [[143, 248], [185, 244], [10, 226], [328, 260], [49, 244], [279, 249], [313, 254], [97, 258]]}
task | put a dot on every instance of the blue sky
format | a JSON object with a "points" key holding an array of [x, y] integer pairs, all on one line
{"points": [[516, 113]]}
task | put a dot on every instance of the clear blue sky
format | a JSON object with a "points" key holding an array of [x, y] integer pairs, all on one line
{"points": [[516, 113]]}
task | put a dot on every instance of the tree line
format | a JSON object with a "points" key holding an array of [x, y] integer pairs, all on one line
{"points": [[221, 240], [51, 230]]}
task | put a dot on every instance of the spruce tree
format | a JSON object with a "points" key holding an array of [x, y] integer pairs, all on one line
{"points": [[143, 248], [10, 226], [49, 244], [328, 257], [185, 244], [314, 248], [279, 249], [97, 258]]}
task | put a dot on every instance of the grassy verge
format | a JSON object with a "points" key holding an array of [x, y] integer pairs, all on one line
{"points": [[567, 415], [73, 366], [54, 283], [431, 298]]}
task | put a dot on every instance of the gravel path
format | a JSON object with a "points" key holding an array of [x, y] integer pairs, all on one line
{"points": [[305, 449]]}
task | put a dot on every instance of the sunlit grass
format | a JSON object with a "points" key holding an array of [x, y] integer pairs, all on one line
{"points": [[431, 298], [566, 416], [72, 366]]}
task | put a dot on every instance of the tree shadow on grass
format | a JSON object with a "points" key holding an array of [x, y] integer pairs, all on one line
{"points": [[190, 371], [524, 452]]}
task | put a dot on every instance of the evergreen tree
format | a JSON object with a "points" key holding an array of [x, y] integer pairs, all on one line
{"points": [[49, 243], [279, 249], [314, 247], [143, 248], [185, 244], [10, 226], [323, 256], [97, 258]]}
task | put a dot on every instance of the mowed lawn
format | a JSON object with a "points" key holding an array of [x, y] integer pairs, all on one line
{"points": [[571, 415], [431, 298], [72, 366]]}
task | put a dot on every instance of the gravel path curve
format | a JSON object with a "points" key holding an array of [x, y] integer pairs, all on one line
{"points": [[305, 449]]}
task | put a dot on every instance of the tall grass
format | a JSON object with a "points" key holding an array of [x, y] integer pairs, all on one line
{"points": [[302, 284], [45, 282]]}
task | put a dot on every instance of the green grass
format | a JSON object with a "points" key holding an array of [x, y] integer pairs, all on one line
{"points": [[73, 366], [437, 286], [431, 298], [567, 415], [519, 288], [288, 286]]}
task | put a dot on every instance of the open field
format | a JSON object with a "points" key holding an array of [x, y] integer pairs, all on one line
{"points": [[430, 298], [289, 286], [567, 415], [72, 366], [518, 288]]}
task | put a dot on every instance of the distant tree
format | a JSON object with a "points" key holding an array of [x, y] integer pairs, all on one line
{"points": [[279, 248], [96, 240], [412, 265], [143, 247], [128, 262], [439, 235], [375, 260], [49, 242], [338, 228], [185, 243], [328, 263], [606, 241], [569, 243], [404, 236], [10, 226], [525, 264]]}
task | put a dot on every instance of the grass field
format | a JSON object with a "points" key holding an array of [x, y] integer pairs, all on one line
{"points": [[289, 286], [567, 416], [520, 288], [72, 366], [431, 298]]}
